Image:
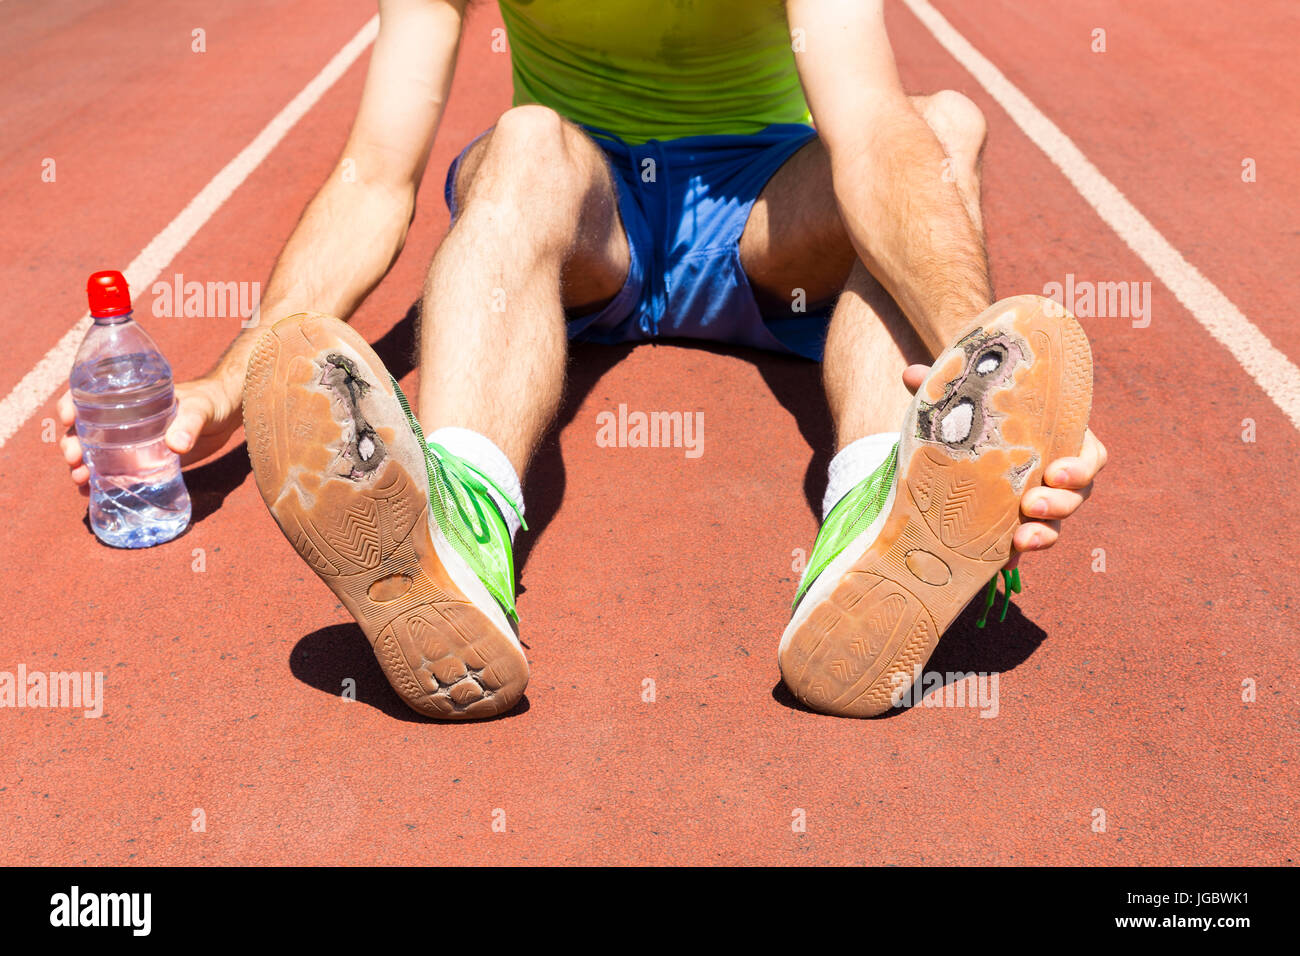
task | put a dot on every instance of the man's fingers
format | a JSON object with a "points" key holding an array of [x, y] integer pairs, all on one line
{"points": [[914, 375], [1036, 535], [1079, 471], [1056, 503], [70, 446], [74, 458]]}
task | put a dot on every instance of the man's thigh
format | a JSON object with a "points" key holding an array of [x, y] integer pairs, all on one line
{"points": [[794, 238], [544, 163]]}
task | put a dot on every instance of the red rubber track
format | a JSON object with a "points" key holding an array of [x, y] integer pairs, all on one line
{"points": [[1119, 690]]}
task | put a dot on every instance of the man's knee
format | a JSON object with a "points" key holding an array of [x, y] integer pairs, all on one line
{"points": [[531, 129], [524, 141]]}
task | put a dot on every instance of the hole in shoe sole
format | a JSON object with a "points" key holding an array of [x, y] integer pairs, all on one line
{"points": [[363, 450], [956, 424], [989, 361], [962, 419]]}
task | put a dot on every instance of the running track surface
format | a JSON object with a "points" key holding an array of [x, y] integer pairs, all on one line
{"points": [[1120, 692]]}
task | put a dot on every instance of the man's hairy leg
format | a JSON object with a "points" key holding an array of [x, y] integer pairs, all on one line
{"points": [[795, 239], [537, 231]]}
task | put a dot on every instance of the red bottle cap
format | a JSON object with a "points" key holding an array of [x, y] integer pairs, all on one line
{"points": [[108, 294]]}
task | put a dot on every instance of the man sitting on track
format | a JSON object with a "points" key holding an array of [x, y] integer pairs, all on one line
{"points": [[657, 176]]}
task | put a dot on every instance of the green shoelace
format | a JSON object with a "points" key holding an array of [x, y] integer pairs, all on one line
{"points": [[1011, 582]]}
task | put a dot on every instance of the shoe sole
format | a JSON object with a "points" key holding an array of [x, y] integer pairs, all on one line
{"points": [[1021, 376], [344, 477]]}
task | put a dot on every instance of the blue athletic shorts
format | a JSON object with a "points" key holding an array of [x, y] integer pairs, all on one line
{"points": [[684, 204]]}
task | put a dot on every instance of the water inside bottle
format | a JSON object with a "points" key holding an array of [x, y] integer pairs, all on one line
{"points": [[124, 404]]}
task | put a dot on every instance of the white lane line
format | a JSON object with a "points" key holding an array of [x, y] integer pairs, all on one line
{"points": [[1271, 370], [51, 372]]}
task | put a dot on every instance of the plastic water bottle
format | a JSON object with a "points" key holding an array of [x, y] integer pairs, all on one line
{"points": [[122, 387]]}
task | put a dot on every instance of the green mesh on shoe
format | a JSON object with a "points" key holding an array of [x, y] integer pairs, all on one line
{"points": [[467, 515], [1010, 582], [849, 518]]}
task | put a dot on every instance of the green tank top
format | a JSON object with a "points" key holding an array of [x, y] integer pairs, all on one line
{"points": [[656, 69]]}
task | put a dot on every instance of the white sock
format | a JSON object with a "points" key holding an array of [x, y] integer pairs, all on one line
{"points": [[481, 452], [858, 460]]}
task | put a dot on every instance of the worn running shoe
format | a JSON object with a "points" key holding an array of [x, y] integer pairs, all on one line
{"points": [[907, 549], [406, 534]]}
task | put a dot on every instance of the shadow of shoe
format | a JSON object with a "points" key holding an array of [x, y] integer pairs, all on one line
{"points": [[327, 657]]}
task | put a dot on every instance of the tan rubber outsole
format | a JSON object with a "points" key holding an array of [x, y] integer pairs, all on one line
{"points": [[955, 509], [344, 478]]}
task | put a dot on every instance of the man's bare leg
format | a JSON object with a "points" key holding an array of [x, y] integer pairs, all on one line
{"points": [[537, 231], [795, 239]]}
